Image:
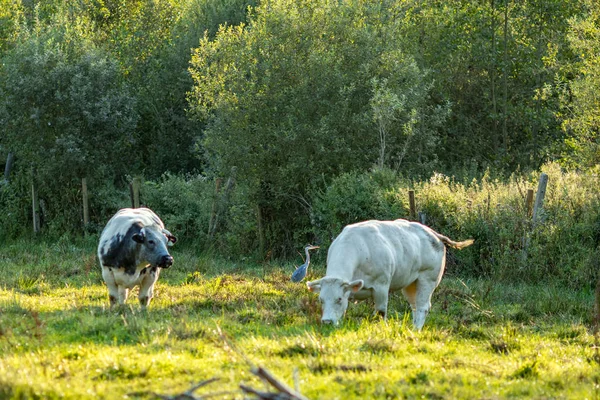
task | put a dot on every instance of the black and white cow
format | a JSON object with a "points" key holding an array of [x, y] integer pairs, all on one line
{"points": [[132, 251]]}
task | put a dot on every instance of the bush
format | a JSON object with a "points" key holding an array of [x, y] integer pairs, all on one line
{"points": [[354, 197], [185, 204], [563, 245], [15, 209]]}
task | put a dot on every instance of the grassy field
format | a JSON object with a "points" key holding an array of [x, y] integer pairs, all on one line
{"points": [[215, 318]]}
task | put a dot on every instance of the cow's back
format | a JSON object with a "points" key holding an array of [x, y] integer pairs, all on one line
{"points": [[395, 251], [124, 218]]}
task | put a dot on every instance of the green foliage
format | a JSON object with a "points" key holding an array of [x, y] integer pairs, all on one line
{"points": [[188, 204], [9, 14], [304, 98], [288, 99], [152, 41], [561, 246], [184, 205], [497, 64], [579, 99], [354, 197], [97, 89], [14, 208], [66, 114]]}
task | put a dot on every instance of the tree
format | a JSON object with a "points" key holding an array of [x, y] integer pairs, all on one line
{"points": [[9, 15], [581, 105], [478, 53], [288, 100], [67, 114], [162, 80]]}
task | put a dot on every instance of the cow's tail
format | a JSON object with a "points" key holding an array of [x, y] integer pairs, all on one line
{"points": [[455, 245]]}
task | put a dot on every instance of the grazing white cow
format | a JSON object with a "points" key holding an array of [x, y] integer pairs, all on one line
{"points": [[132, 251], [372, 258]]}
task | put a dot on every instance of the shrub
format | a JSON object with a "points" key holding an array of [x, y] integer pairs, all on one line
{"points": [[354, 197], [183, 203], [563, 245], [14, 209]]}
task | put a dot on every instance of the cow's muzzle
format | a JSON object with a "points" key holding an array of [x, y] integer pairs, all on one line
{"points": [[166, 261], [327, 322]]}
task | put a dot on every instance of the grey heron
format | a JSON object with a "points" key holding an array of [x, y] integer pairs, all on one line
{"points": [[300, 272]]}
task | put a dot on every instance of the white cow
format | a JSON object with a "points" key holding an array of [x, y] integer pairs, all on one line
{"points": [[132, 251], [372, 258]]}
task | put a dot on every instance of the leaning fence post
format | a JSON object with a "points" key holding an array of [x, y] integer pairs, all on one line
{"points": [[222, 203], [213, 212], [9, 163], [261, 232], [537, 209]]}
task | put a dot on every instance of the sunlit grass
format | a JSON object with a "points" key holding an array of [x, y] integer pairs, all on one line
{"points": [[213, 318]]}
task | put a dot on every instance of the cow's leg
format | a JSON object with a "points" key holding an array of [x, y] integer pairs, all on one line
{"points": [[424, 290], [113, 290], [410, 294], [147, 286], [380, 296], [123, 294]]}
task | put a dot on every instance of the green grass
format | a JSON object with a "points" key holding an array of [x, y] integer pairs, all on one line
{"points": [[215, 318]]}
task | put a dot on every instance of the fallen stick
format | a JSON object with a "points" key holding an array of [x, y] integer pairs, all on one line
{"points": [[266, 376]]}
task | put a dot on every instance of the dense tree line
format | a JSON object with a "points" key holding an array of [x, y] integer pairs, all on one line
{"points": [[290, 94]]}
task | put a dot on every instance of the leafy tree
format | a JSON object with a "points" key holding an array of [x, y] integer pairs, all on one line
{"points": [[581, 105], [494, 61], [66, 112], [9, 15], [162, 81], [288, 100]]}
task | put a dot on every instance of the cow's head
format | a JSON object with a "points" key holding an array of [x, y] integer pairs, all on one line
{"points": [[153, 246], [333, 295]]}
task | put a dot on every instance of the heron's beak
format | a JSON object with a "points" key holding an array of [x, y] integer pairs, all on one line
{"points": [[313, 247]]}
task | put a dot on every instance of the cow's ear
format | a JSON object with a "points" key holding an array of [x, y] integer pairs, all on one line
{"points": [[314, 286], [139, 237], [171, 240], [355, 286]]}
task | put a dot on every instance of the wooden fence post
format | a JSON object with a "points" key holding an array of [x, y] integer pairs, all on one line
{"points": [[86, 207], [261, 233], [411, 204], [135, 192], [529, 203], [537, 209], [539, 198], [222, 203]]}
